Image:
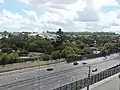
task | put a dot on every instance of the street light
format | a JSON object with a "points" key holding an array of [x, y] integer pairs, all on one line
{"points": [[89, 74], [119, 78], [38, 74], [88, 81]]}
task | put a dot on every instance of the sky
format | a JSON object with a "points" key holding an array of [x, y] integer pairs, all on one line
{"points": [[69, 15]]}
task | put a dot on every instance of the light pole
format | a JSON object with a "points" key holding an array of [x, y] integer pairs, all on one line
{"points": [[88, 81], [89, 74], [119, 78], [38, 74]]}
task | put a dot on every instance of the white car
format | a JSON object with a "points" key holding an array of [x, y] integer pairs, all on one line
{"points": [[94, 70], [104, 58]]}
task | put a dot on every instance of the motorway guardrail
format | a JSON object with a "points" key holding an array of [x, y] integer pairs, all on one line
{"points": [[80, 84]]}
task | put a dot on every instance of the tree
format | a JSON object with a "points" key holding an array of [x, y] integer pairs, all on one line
{"points": [[43, 45], [6, 50], [49, 48], [60, 37], [109, 47], [8, 58], [69, 51], [13, 57], [3, 40], [14, 47], [4, 45], [56, 54], [33, 47], [46, 57], [5, 33], [23, 52], [16, 42], [3, 59]]}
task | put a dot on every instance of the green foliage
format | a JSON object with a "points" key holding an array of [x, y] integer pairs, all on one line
{"points": [[70, 51], [46, 57], [109, 47], [33, 47], [60, 37], [23, 52], [12, 58], [8, 58], [3, 59], [66, 44], [56, 55], [50, 49], [6, 50], [39, 45], [4, 45]]}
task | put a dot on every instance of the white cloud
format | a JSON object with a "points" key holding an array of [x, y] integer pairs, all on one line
{"points": [[88, 15], [1, 1], [16, 22], [25, 1], [38, 2], [78, 6], [31, 15], [10, 15], [66, 14], [108, 17], [99, 3]]}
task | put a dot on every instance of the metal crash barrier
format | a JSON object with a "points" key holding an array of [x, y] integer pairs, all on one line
{"points": [[77, 85]]}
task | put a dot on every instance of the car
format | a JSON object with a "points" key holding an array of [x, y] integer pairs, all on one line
{"points": [[75, 63], [84, 63], [104, 58], [94, 70], [49, 69]]}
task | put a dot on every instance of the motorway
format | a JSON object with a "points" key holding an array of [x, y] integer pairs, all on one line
{"points": [[63, 73]]}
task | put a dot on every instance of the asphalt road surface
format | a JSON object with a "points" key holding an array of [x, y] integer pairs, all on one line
{"points": [[64, 73]]}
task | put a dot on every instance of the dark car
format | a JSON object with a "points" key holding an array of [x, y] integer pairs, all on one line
{"points": [[49, 69], [84, 63], [75, 63], [94, 70]]}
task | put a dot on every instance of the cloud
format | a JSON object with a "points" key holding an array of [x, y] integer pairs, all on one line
{"points": [[114, 24], [1, 1], [87, 15], [108, 17], [31, 15], [38, 2], [16, 22], [66, 14], [99, 3]]}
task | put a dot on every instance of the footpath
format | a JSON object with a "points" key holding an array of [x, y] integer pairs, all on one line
{"points": [[110, 83]]}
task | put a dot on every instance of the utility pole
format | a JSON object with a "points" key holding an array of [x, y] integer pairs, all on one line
{"points": [[88, 79], [38, 74]]}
